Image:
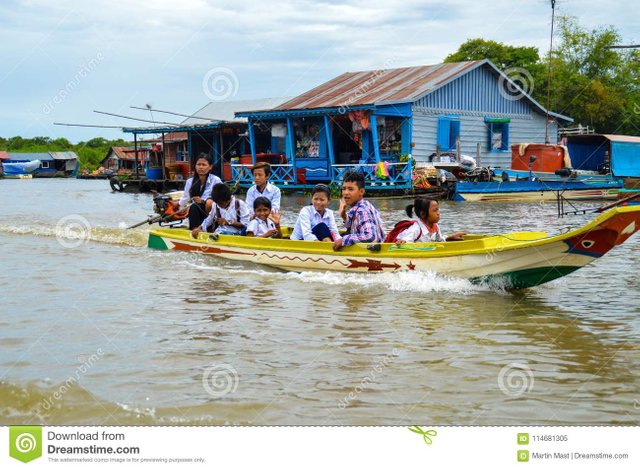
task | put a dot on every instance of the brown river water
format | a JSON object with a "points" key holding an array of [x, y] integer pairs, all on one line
{"points": [[98, 329]]}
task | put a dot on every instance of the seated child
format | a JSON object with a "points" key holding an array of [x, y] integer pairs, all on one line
{"points": [[261, 172], [228, 216], [425, 229], [316, 222], [362, 221], [265, 224]]}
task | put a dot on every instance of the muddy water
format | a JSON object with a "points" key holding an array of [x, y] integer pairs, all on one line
{"points": [[96, 328]]}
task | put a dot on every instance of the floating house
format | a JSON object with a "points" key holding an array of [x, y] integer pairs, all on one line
{"points": [[123, 159], [214, 129], [52, 164], [400, 117]]}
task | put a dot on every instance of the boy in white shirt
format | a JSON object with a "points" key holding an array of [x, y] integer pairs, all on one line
{"points": [[228, 216], [261, 172]]}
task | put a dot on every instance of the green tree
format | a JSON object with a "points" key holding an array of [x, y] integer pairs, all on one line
{"points": [[593, 83], [502, 55]]}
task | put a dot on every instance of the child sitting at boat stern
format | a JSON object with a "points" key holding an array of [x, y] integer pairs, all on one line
{"points": [[265, 224], [316, 222], [362, 221], [425, 228], [228, 216]]}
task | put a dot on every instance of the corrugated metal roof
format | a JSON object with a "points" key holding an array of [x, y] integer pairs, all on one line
{"points": [[622, 138], [28, 156], [225, 110], [378, 86], [64, 155], [128, 153]]}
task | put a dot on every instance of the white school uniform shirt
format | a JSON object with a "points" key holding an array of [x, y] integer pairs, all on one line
{"points": [[212, 180], [271, 192], [309, 217], [231, 214], [259, 227], [413, 234]]}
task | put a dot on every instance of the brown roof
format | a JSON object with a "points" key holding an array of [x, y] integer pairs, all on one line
{"points": [[128, 153], [170, 137], [378, 86]]}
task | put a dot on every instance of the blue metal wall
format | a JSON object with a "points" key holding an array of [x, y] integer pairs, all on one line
{"points": [[478, 90], [625, 159], [473, 97]]}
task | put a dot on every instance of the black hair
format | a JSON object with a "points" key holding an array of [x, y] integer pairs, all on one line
{"points": [[265, 166], [420, 204], [220, 193], [262, 201], [321, 188], [356, 177], [196, 186]]}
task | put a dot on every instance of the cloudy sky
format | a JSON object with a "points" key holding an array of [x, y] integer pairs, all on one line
{"points": [[60, 60]]}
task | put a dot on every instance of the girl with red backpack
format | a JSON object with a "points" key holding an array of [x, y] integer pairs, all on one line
{"points": [[425, 228]]}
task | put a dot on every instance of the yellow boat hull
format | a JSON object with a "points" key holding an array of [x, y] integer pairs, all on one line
{"points": [[519, 259]]}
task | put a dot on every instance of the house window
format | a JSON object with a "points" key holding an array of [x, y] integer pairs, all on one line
{"points": [[45, 165], [448, 132], [498, 134]]}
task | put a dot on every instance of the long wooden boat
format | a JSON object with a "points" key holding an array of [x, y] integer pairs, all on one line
{"points": [[536, 191], [515, 260]]}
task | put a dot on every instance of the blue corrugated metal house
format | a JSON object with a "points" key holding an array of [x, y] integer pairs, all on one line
{"points": [[359, 119], [51, 163]]}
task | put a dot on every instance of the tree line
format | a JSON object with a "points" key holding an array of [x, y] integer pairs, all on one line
{"points": [[596, 85]]}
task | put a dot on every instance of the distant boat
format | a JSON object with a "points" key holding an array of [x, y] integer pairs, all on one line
{"points": [[540, 172], [21, 168], [537, 190]]}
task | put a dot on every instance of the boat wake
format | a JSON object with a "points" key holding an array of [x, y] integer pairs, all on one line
{"points": [[413, 281], [73, 236]]}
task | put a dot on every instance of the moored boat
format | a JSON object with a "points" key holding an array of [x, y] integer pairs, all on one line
{"points": [[515, 260]]}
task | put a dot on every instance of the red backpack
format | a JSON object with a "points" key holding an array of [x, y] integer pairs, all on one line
{"points": [[400, 227]]}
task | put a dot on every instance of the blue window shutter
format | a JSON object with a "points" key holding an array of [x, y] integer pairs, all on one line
{"points": [[505, 136], [444, 131], [455, 133]]}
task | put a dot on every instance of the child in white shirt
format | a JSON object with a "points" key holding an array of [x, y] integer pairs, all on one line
{"points": [[265, 224], [425, 229], [228, 216]]}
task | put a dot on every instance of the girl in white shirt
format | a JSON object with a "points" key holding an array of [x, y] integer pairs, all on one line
{"points": [[425, 229], [265, 224]]}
